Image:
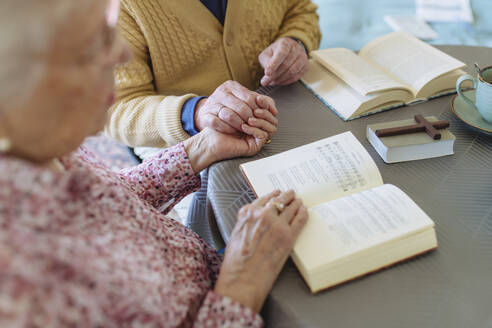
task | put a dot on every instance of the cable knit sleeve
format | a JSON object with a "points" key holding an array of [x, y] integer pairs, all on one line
{"points": [[301, 22], [221, 311], [141, 117], [163, 180]]}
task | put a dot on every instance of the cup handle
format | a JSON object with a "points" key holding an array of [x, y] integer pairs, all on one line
{"points": [[460, 81]]}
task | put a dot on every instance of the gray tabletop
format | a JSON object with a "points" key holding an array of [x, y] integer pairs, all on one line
{"points": [[450, 287]]}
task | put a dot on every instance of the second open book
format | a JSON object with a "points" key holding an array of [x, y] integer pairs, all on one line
{"points": [[391, 71], [356, 223]]}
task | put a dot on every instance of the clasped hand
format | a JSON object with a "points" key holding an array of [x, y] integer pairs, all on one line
{"points": [[233, 109], [233, 122]]}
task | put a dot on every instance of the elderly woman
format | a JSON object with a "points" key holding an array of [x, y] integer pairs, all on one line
{"points": [[83, 246], [196, 62]]}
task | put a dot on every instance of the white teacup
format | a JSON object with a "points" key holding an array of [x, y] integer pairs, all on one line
{"points": [[483, 86]]}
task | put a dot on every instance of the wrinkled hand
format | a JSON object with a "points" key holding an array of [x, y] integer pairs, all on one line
{"points": [[284, 62], [259, 246], [210, 146], [232, 106]]}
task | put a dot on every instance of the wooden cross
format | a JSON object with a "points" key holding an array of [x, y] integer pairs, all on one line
{"points": [[423, 126]]}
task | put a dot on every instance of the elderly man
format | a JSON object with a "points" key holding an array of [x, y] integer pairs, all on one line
{"points": [[187, 49]]}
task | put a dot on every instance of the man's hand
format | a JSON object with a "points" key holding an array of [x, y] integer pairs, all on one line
{"points": [[284, 62], [232, 106]]}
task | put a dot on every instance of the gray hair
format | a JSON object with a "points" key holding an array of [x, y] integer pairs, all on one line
{"points": [[28, 28]]}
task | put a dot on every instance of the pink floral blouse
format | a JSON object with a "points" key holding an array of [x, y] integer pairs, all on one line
{"points": [[88, 247]]}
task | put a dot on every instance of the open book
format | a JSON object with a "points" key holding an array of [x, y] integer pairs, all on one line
{"points": [[356, 224], [389, 72]]}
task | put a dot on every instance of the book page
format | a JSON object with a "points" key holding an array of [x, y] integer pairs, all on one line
{"points": [[358, 222], [356, 72], [317, 172], [343, 99], [409, 59]]}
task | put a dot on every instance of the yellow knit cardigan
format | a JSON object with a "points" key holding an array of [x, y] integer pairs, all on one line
{"points": [[181, 50]]}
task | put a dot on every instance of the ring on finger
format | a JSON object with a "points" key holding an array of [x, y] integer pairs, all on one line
{"points": [[220, 108], [278, 206]]}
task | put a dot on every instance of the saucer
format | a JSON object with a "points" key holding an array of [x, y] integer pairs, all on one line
{"points": [[468, 114]]}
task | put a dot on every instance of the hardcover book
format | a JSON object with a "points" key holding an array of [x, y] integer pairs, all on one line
{"points": [[409, 147], [356, 224], [391, 71]]}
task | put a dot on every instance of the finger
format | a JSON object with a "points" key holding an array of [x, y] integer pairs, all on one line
{"points": [[285, 197], [299, 221], [266, 102], [244, 94], [238, 106], [265, 56], [279, 54], [300, 61], [288, 61], [304, 64], [230, 117], [265, 80], [255, 132], [218, 125], [266, 115], [296, 78], [292, 72], [255, 145], [263, 124], [290, 210], [265, 199]]}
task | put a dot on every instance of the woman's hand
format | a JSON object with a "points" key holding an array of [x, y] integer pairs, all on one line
{"points": [[210, 146], [231, 106], [260, 243]]}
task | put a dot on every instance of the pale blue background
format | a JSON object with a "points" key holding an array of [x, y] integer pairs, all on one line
{"points": [[353, 23]]}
